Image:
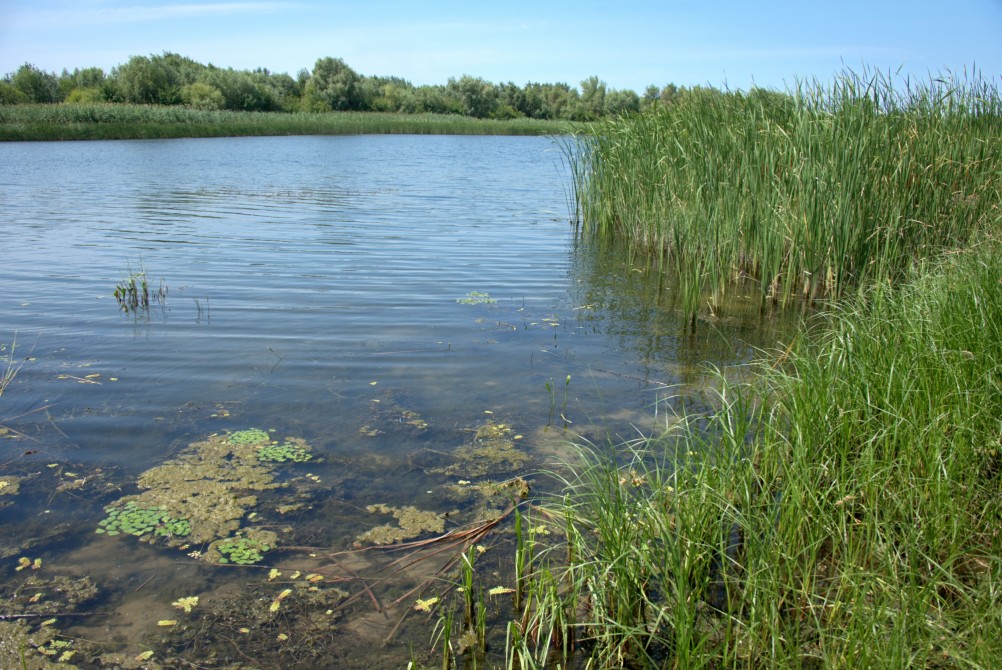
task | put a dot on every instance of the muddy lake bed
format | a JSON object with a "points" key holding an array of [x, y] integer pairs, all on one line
{"points": [[362, 342]]}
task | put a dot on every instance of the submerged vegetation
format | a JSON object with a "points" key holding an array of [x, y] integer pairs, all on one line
{"points": [[810, 194], [205, 495]]}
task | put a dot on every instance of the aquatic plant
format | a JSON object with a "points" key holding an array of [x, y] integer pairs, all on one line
{"points": [[211, 483], [476, 297], [249, 436], [186, 604], [411, 522], [10, 485], [10, 365], [134, 519], [838, 508], [241, 550], [492, 451], [134, 295], [24, 648], [810, 194], [287, 451], [303, 611]]}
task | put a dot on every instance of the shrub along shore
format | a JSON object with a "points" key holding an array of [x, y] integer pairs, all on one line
{"points": [[842, 506], [113, 121]]}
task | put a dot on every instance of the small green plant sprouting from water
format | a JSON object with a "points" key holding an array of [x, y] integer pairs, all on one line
{"points": [[242, 550], [134, 295], [280, 453], [472, 641], [10, 365], [443, 633], [477, 298], [132, 519]]}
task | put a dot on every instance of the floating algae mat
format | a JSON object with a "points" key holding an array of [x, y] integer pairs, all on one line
{"points": [[493, 451], [203, 496], [411, 522]]}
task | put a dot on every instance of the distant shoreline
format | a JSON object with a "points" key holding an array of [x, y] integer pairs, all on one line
{"points": [[117, 121]]}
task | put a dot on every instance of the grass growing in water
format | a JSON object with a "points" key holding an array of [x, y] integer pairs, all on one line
{"points": [[841, 510], [811, 194], [134, 295]]}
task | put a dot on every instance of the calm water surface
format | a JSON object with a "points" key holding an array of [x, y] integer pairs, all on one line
{"points": [[328, 288]]}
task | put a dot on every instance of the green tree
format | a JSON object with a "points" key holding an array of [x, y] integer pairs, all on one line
{"points": [[618, 103], [435, 99], [652, 95], [148, 80], [85, 95], [561, 100], [475, 96], [10, 95], [243, 91], [36, 85], [88, 78], [389, 94], [332, 86], [202, 96], [286, 91], [186, 70], [592, 103], [671, 94], [533, 102]]}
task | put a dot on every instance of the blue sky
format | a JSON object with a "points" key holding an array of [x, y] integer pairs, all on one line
{"points": [[627, 44]]}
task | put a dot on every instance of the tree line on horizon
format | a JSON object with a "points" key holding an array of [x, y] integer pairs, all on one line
{"points": [[332, 85]]}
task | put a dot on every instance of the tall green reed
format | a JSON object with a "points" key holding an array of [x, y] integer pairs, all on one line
{"points": [[811, 193]]}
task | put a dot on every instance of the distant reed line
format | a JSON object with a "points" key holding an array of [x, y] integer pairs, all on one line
{"points": [[810, 193], [120, 121]]}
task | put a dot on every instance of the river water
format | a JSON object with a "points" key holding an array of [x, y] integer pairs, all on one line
{"points": [[393, 302]]}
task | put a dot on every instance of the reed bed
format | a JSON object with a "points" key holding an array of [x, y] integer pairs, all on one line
{"points": [[121, 121], [811, 193], [839, 510]]}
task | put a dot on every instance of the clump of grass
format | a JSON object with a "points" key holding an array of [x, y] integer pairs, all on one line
{"points": [[134, 295], [840, 509], [810, 193], [10, 365]]}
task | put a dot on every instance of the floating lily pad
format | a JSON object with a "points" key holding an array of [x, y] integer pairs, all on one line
{"points": [[249, 436], [244, 549], [134, 519], [287, 451]]}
